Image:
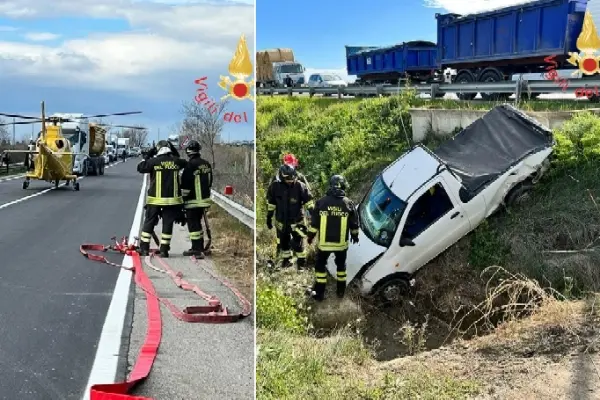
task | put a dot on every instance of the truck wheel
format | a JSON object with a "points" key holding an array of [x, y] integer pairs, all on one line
{"points": [[491, 77], [519, 194], [465, 77], [102, 170]]}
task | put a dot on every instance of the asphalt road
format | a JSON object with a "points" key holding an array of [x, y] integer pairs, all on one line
{"points": [[53, 302]]}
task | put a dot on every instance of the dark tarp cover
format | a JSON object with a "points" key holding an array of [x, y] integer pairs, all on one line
{"points": [[492, 144]]}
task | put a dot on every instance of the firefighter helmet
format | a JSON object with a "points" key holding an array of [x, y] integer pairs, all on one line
{"points": [[337, 182], [287, 173], [193, 147], [161, 144], [290, 159]]}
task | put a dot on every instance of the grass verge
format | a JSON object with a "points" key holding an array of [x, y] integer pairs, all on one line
{"points": [[550, 241], [233, 249]]}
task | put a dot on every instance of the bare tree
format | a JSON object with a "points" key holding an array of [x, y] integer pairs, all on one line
{"points": [[204, 124], [5, 135], [137, 137]]}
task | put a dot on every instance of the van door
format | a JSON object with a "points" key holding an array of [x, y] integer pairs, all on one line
{"points": [[433, 222]]}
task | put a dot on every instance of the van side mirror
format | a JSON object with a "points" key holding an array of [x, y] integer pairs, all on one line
{"points": [[406, 242]]}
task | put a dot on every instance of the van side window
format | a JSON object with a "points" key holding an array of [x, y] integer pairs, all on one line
{"points": [[431, 206]]}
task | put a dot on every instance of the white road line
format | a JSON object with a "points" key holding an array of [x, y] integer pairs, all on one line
{"points": [[12, 177], [105, 365], [31, 196]]}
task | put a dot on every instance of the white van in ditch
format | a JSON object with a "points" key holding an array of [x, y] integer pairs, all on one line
{"points": [[426, 201]]}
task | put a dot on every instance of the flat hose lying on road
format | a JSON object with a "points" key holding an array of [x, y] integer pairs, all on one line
{"points": [[214, 312]]}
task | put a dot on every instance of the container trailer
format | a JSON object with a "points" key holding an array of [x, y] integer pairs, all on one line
{"points": [[490, 46], [493, 46], [416, 60]]}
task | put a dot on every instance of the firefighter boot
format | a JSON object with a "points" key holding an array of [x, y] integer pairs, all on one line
{"points": [[196, 250], [144, 249], [341, 289], [301, 264], [318, 292], [286, 263], [164, 251]]}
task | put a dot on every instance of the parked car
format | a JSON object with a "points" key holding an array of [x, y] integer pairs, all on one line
{"points": [[426, 201]]}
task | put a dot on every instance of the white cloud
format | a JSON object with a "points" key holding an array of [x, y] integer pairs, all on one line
{"points": [[470, 7], [165, 38], [41, 36], [4, 28]]}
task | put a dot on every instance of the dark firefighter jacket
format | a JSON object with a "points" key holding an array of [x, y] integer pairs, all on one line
{"points": [[286, 202], [333, 218], [196, 181], [164, 187]]}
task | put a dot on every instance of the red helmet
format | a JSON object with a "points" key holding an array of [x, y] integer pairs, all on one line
{"points": [[290, 159]]}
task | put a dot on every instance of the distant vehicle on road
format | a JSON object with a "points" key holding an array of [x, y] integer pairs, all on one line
{"points": [[273, 66], [135, 152], [106, 158], [326, 80]]}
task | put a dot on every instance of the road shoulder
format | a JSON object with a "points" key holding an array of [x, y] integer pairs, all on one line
{"points": [[197, 360]]}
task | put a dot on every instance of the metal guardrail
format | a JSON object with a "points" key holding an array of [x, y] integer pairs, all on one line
{"points": [[518, 87], [11, 168], [236, 210]]}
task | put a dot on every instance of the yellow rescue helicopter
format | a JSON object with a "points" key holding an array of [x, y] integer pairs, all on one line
{"points": [[53, 157]]}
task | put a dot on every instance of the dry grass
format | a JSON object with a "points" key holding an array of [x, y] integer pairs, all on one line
{"points": [[233, 250]]}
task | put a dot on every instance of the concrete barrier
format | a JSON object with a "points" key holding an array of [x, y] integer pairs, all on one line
{"points": [[442, 122]]}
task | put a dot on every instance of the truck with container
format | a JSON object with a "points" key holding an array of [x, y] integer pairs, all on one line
{"points": [[426, 201], [87, 139], [122, 146], [274, 65], [524, 40]]}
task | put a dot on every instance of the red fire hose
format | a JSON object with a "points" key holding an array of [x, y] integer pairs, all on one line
{"points": [[214, 312]]}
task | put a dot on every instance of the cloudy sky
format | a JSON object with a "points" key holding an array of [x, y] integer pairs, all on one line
{"points": [[103, 56]]}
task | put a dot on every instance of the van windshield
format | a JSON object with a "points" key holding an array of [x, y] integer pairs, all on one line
{"points": [[380, 213]]}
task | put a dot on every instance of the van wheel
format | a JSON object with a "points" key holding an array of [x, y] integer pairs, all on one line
{"points": [[519, 194], [392, 290]]}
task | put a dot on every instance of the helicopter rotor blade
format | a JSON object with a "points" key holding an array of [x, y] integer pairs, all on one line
{"points": [[113, 114], [19, 116]]}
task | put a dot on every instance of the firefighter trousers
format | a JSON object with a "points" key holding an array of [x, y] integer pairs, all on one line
{"points": [[291, 243], [153, 213], [321, 272], [194, 223]]}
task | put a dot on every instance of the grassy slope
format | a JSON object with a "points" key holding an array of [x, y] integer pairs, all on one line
{"points": [[357, 139]]}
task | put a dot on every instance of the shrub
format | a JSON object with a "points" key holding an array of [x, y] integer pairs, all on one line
{"points": [[277, 311]]}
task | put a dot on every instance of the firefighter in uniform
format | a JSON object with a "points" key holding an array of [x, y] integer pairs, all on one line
{"points": [[333, 217], [196, 182], [286, 198], [164, 195]]}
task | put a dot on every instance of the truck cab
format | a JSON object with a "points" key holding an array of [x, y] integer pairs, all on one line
{"points": [[426, 201], [77, 132], [295, 70]]}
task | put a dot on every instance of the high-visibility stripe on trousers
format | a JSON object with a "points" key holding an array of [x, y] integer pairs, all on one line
{"points": [[321, 277], [196, 235], [146, 237], [165, 238]]}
